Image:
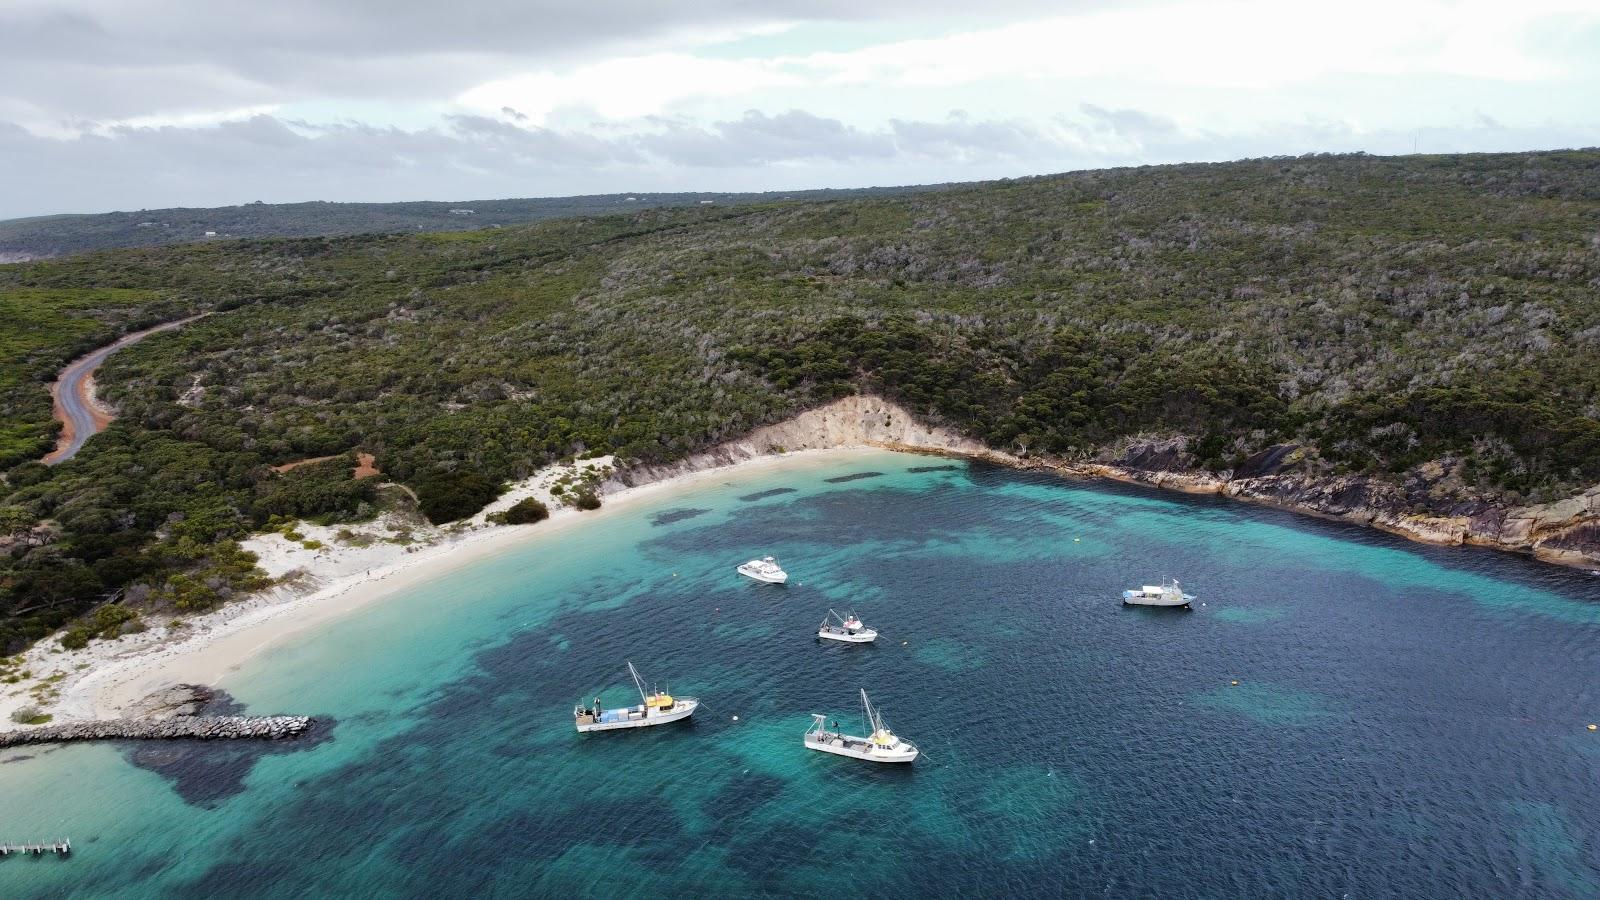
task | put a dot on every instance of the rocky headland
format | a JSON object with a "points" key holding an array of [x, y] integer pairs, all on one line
{"points": [[1429, 504]]}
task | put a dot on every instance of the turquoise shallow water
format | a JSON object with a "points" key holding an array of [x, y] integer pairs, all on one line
{"points": [[1409, 720]]}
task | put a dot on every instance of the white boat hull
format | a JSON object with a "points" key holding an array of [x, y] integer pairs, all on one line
{"points": [[1168, 594], [681, 710], [1141, 600], [762, 577], [864, 636], [860, 748]]}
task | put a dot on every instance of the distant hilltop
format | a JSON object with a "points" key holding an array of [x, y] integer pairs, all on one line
{"points": [[42, 237]]}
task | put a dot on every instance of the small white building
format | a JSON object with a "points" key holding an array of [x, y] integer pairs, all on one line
{"points": [[211, 234], [463, 212]]}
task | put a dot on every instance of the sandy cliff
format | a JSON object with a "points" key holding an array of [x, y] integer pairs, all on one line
{"points": [[850, 422]]}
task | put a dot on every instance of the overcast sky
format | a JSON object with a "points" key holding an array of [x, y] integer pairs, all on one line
{"points": [[126, 104]]}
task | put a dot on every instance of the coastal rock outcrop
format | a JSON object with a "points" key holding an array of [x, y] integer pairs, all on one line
{"points": [[1423, 506], [178, 700]]}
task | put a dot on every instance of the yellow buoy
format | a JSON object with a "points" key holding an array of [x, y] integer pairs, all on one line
{"points": [[1077, 540], [1234, 683], [1594, 727]]}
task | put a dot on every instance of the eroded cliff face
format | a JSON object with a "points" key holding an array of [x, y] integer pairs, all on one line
{"points": [[1426, 505], [853, 422]]}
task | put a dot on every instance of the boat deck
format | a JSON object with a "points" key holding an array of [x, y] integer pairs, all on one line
{"points": [[844, 741]]}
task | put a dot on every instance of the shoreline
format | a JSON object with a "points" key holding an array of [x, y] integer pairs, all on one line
{"points": [[210, 646], [329, 576]]}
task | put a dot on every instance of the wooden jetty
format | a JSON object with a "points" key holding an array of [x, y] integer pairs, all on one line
{"points": [[37, 848]]}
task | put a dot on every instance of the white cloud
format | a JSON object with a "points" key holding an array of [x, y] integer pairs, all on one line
{"points": [[626, 88], [1242, 44]]}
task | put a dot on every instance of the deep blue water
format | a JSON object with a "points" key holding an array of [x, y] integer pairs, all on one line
{"points": [[1408, 722]]}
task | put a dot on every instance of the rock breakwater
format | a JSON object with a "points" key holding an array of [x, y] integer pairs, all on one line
{"points": [[169, 714], [203, 728]]}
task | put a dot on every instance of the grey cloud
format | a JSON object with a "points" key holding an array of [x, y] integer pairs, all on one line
{"points": [[96, 60], [1131, 124], [760, 138], [959, 136], [273, 159]]}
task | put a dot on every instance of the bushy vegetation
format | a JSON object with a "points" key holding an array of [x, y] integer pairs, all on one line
{"points": [[322, 490], [1381, 312], [526, 512], [29, 715], [448, 496], [107, 621]]}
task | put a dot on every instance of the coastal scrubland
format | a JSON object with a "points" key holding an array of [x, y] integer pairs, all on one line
{"points": [[1380, 314]]}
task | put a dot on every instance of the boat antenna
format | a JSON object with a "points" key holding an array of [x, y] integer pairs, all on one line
{"points": [[638, 682]]}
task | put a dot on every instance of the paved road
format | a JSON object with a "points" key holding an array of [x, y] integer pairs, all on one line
{"points": [[80, 415]]}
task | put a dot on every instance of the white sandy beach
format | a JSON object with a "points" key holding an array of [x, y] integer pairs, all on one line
{"points": [[105, 678]]}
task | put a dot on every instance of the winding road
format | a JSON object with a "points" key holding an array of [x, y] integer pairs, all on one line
{"points": [[80, 414]]}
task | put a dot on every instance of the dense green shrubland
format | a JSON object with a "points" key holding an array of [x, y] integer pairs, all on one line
{"points": [[1385, 311]]}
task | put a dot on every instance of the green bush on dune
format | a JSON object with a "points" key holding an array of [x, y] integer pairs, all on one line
{"points": [[526, 512]]}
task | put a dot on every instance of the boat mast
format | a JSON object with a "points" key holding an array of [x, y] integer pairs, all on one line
{"points": [[872, 714], [638, 682]]}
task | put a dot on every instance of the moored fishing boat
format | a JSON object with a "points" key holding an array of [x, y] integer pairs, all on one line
{"points": [[656, 708], [845, 628], [1169, 594], [881, 745]]}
